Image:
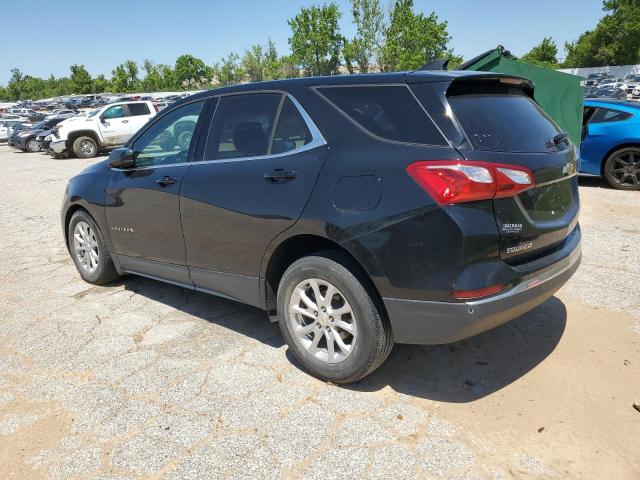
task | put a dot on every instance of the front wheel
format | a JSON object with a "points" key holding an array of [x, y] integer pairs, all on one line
{"points": [[89, 251], [622, 169], [330, 321], [85, 147], [33, 145]]}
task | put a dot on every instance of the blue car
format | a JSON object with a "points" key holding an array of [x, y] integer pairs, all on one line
{"points": [[611, 142]]}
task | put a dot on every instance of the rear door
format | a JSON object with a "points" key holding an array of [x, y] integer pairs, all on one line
{"points": [[503, 124], [254, 177], [138, 114]]}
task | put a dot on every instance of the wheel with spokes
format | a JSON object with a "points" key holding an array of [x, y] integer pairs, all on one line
{"points": [[85, 147], [33, 145], [88, 250], [622, 169], [330, 321]]}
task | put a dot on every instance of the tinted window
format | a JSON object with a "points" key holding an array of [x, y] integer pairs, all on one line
{"points": [[292, 131], [389, 112], [503, 123], [242, 126], [114, 112], [168, 139], [136, 109], [603, 115]]}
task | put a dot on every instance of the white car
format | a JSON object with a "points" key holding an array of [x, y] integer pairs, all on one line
{"points": [[616, 83], [106, 127], [4, 132], [635, 93]]}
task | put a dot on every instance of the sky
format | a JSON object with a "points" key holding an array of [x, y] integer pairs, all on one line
{"points": [[103, 34]]}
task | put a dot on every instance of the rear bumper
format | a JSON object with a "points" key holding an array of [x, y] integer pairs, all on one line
{"points": [[432, 323]]}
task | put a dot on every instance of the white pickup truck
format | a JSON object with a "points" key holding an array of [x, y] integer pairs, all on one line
{"points": [[106, 127]]}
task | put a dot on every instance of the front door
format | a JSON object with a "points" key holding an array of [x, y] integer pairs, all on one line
{"points": [[259, 167], [143, 202], [114, 125]]}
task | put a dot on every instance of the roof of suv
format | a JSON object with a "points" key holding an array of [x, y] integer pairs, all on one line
{"points": [[364, 78]]}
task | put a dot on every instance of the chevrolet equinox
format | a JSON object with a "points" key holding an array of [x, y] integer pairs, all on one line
{"points": [[358, 211]]}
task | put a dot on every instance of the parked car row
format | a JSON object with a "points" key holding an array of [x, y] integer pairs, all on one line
{"points": [[602, 85]]}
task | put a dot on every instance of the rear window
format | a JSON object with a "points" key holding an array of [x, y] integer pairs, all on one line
{"points": [[604, 115], [504, 122], [390, 112], [136, 109]]}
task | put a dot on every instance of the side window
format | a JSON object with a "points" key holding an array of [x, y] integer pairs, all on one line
{"points": [[390, 112], [116, 111], [292, 131], [169, 138], [242, 126], [136, 109], [604, 115]]}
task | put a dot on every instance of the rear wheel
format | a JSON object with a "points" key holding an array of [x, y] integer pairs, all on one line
{"points": [[33, 145], [622, 169], [85, 147], [89, 251], [330, 321]]}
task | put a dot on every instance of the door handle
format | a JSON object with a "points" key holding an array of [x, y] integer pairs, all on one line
{"points": [[280, 175], [166, 180], [125, 121]]}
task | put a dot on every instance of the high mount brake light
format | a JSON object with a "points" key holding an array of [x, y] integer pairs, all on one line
{"points": [[457, 181]]}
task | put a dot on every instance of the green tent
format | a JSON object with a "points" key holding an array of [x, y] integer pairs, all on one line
{"points": [[559, 94]]}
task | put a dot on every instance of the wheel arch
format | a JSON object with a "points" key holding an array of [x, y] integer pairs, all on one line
{"points": [[295, 247], [67, 219], [81, 133]]}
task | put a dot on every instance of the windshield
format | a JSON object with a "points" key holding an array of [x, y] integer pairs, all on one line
{"points": [[39, 125], [93, 113]]}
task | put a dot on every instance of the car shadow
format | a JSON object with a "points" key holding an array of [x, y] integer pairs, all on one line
{"points": [[235, 316], [474, 368], [594, 182], [456, 373]]}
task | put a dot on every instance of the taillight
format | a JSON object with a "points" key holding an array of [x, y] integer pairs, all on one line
{"points": [[458, 181]]}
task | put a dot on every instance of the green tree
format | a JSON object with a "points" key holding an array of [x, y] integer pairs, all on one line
{"points": [[544, 54], [100, 84], [364, 48], [15, 84], [614, 41], [253, 63], [125, 77], [411, 39], [315, 39], [80, 79], [191, 72], [228, 70]]}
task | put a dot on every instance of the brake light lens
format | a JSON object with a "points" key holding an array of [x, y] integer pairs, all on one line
{"points": [[457, 181], [479, 293]]}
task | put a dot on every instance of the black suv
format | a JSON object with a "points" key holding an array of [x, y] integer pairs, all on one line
{"points": [[358, 211]]}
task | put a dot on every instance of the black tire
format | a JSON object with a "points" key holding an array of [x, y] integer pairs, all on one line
{"points": [[105, 271], [32, 145], [374, 338], [614, 169], [85, 147]]}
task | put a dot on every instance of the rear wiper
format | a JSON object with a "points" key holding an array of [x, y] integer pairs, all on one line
{"points": [[558, 139]]}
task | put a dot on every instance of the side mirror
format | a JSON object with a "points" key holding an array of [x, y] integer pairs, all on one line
{"points": [[121, 158]]}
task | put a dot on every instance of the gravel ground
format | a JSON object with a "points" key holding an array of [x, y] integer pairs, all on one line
{"points": [[146, 380]]}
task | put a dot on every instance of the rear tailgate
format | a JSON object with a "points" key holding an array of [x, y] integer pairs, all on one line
{"points": [[503, 124]]}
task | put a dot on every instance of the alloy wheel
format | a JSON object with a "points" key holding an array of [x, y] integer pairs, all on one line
{"points": [[322, 320], [625, 168], [85, 245]]}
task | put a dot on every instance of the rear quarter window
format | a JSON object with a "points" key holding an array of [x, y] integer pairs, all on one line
{"points": [[604, 115], [503, 122], [390, 112], [136, 109]]}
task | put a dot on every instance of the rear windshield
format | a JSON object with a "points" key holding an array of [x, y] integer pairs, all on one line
{"points": [[389, 111], [504, 122]]}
